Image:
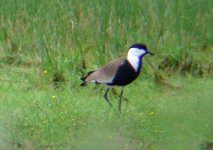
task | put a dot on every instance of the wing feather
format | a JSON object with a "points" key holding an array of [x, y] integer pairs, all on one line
{"points": [[107, 73]]}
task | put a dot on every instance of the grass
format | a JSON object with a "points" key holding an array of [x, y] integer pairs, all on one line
{"points": [[46, 46], [69, 119]]}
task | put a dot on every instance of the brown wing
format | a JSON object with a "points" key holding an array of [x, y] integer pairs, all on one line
{"points": [[107, 73]]}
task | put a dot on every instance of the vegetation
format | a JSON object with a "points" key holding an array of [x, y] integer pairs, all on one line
{"points": [[46, 46]]}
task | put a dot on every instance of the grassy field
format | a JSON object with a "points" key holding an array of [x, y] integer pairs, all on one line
{"points": [[46, 46]]}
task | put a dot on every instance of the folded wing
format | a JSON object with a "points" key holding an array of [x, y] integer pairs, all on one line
{"points": [[104, 75]]}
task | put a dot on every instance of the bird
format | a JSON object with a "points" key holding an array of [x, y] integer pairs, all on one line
{"points": [[119, 72]]}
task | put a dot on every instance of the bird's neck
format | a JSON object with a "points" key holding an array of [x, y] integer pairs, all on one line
{"points": [[136, 62]]}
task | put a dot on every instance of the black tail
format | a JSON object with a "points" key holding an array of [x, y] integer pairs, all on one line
{"points": [[84, 78], [83, 84]]}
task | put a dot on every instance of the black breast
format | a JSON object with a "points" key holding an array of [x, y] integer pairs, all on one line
{"points": [[125, 75]]}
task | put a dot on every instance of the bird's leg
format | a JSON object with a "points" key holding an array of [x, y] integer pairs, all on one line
{"points": [[119, 101], [106, 97]]}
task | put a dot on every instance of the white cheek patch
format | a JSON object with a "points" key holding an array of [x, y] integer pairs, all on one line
{"points": [[140, 52], [134, 62], [133, 57]]}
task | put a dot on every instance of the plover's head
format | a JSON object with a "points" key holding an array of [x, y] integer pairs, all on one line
{"points": [[135, 55], [138, 50]]}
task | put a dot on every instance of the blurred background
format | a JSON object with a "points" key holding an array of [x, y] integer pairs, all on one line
{"points": [[46, 46]]}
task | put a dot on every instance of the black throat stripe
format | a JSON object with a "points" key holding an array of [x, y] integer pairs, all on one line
{"points": [[125, 74]]}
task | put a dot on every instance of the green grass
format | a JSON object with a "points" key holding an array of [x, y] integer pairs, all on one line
{"points": [[46, 46], [74, 118]]}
